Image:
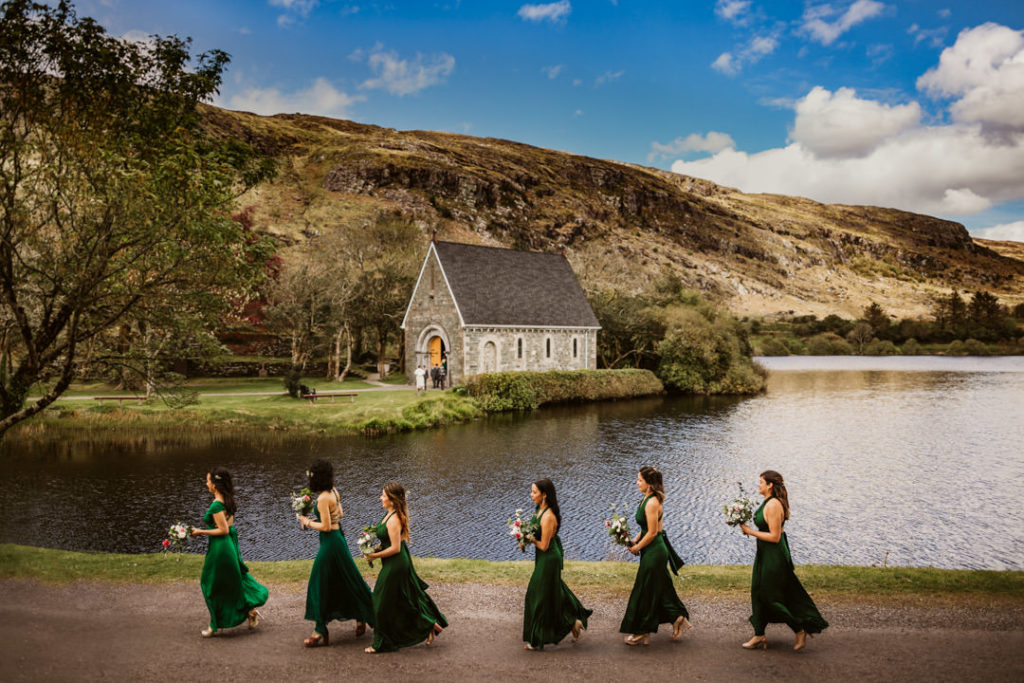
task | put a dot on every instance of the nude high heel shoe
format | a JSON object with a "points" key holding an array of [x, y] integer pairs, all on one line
{"points": [[681, 625], [756, 642], [801, 641], [645, 639]]}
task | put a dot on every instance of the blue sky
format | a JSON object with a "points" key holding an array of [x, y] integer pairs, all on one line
{"points": [[915, 104]]}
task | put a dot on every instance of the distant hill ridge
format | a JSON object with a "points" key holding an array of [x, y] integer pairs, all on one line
{"points": [[620, 224]]}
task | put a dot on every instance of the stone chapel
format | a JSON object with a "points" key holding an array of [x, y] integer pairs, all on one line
{"points": [[488, 309]]}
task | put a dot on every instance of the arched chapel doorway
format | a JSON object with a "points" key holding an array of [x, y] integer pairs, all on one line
{"points": [[436, 348]]}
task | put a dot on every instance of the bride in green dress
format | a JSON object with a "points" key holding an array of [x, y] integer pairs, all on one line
{"points": [[232, 594], [403, 613], [336, 589], [653, 600], [776, 595], [551, 611]]}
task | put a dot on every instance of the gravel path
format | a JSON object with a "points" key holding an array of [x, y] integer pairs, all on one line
{"points": [[100, 631]]}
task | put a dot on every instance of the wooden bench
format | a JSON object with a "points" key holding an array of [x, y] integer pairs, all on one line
{"points": [[330, 394], [119, 399]]}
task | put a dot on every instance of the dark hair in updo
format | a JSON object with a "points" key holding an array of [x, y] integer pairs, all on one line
{"points": [[778, 489], [221, 479], [321, 476], [546, 487], [652, 476]]}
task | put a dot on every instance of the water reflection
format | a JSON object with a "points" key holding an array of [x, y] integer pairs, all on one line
{"points": [[922, 463]]}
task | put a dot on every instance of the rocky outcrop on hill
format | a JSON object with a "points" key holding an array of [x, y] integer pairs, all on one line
{"points": [[620, 224]]}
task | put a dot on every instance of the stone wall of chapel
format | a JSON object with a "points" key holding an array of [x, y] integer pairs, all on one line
{"points": [[432, 306], [496, 349]]}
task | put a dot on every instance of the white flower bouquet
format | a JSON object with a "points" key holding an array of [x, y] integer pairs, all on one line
{"points": [[522, 532], [741, 510], [368, 541], [303, 503], [618, 528], [178, 537]]}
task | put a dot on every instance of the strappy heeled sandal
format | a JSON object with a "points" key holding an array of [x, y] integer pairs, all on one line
{"points": [[681, 625], [317, 640], [637, 639], [254, 618]]}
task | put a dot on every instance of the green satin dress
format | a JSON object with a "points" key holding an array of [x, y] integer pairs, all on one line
{"points": [[230, 590], [336, 589], [776, 595], [551, 608], [403, 613], [653, 600]]}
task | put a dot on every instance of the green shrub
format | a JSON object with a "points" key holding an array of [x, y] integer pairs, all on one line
{"points": [[704, 357], [773, 347], [828, 344], [973, 347], [501, 391], [956, 348], [911, 347], [878, 347], [795, 346]]}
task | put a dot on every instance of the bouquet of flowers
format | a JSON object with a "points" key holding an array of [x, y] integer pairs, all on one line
{"points": [[303, 503], [618, 528], [368, 541], [178, 537], [523, 532], [741, 510]]}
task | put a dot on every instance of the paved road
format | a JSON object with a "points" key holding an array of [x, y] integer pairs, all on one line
{"points": [[98, 631]]}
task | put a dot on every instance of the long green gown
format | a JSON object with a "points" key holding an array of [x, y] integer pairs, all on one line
{"points": [[230, 590], [551, 608], [776, 595], [653, 600], [403, 613], [336, 589]]}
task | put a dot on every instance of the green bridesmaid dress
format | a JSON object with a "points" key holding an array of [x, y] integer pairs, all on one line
{"points": [[776, 595], [653, 600], [336, 589], [403, 613], [551, 608], [228, 587]]}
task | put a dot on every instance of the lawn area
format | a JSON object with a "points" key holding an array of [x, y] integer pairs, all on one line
{"points": [[220, 385], [372, 412], [928, 585]]}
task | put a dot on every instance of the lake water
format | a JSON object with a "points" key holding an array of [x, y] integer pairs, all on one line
{"points": [[915, 461]]}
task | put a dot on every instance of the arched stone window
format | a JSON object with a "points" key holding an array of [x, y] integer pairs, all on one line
{"points": [[519, 348], [547, 347]]}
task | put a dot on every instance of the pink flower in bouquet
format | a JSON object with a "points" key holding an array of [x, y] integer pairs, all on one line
{"points": [[167, 543], [607, 522], [518, 535]]}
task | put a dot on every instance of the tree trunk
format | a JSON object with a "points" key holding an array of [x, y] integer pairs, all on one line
{"points": [[343, 372], [382, 346]]}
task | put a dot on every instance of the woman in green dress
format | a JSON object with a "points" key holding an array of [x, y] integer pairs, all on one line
{"points": [[776, 595], [232, 594], [336, 589], [403, 613], [551, 611], [653, 600]]}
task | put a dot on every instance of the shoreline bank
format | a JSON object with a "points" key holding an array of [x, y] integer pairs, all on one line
{"points": [[905, 584]]}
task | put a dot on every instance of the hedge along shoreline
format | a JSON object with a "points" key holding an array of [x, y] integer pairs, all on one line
{"points": [[525, 390]]}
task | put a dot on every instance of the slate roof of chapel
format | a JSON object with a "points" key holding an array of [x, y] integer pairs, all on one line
{"points": [[495, 286]]}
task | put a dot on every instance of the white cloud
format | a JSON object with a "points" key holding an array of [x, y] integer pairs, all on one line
{"points": [[577, 82], [321, 98], [713, 142], [935, 36], [402, 76], [608, 77], [817, 26], [852, 150], [945, 13], [292, 9], [1007, 231], [137, 36], [725, 64], [985, 70], [879, 53], [736, 12], [552, 71], [303, 7], [555, 12], [757, 47], [842, 125], [578, 112]]}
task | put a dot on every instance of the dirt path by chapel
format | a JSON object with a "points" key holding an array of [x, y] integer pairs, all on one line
{"points": [[99, 631]]}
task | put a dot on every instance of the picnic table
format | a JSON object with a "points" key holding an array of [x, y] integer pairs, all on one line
{"points": [[330, 394], [119, 399]]}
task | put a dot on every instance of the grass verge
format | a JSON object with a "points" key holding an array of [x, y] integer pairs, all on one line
{"points": [[913, 584], [372, 412]]}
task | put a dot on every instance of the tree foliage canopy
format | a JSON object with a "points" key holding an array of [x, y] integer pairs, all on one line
{"points": [[114, 198]]}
